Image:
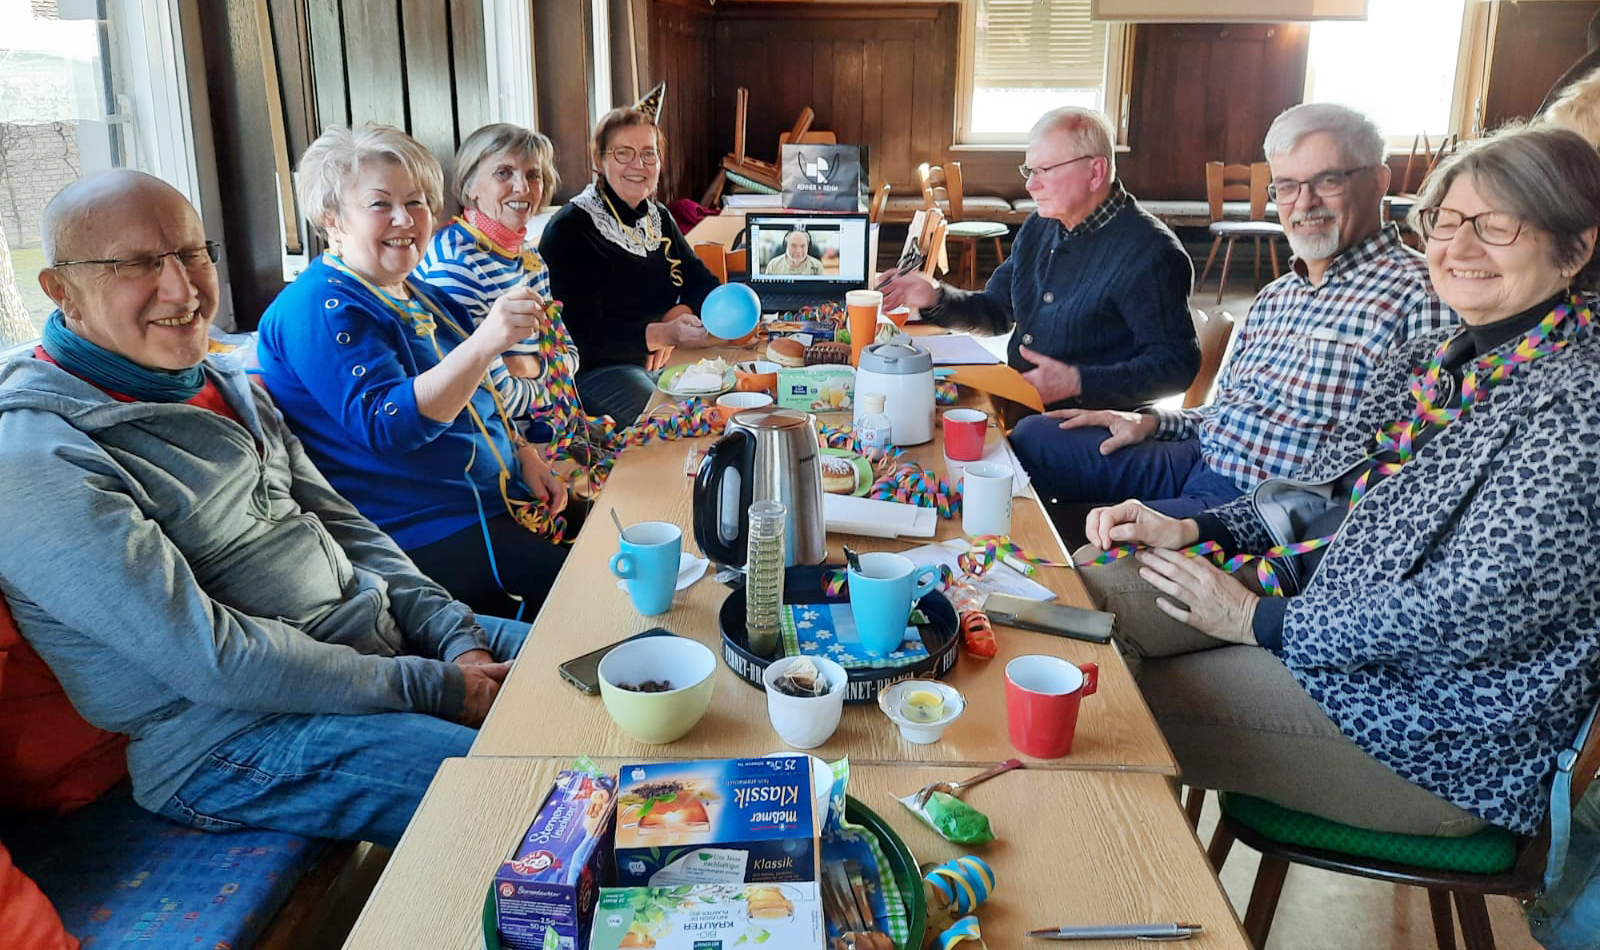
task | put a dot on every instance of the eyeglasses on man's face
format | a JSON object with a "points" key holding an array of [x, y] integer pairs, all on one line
{"points": [[1028, 171], [1492, 227], [1323, 184], [626, 154], [192, 259]]}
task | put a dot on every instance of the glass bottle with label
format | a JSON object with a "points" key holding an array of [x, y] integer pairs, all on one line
{"points": [[874, 431]]}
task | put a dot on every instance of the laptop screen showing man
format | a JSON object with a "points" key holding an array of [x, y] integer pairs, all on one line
{"points": [[803, 260]]}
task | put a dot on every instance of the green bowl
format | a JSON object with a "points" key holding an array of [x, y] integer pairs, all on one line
{"points": [[658, 718]]}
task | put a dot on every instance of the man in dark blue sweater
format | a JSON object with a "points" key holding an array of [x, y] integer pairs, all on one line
{"points": [[1096, 289]]}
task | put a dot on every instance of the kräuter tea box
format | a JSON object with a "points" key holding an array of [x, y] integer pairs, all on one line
{"points": [[545, 891], [709, 917], [725, 821]]}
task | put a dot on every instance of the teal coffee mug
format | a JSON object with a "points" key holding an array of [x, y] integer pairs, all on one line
{"points": [[648, 562], [881, 595]]}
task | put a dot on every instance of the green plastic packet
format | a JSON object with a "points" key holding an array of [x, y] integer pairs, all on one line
{"points": [[952, 818]]}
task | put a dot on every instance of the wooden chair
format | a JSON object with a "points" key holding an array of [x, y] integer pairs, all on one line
{"points": [[1213, 331], [880, 198], [1428, 159], [1239, 183], [935, 230], [1243, 818], [715, 257], [942, 189]]}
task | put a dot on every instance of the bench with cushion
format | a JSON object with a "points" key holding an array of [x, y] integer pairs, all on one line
{"points": [[115, 872]]}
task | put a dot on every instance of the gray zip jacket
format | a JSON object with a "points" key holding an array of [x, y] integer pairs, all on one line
{"points": [[187, 577]]}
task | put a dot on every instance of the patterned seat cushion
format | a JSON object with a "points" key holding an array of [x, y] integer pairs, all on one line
{"points": [[1490, 851], [117, 873], [977, 229]]}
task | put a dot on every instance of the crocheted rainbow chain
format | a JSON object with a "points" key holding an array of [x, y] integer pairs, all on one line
{"points": [[1400, 437]]}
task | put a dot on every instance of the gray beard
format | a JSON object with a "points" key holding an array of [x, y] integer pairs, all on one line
{"points": [[1317, 247]]}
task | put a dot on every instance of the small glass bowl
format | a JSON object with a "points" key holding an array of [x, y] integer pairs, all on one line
{"points": [[909, 703]]}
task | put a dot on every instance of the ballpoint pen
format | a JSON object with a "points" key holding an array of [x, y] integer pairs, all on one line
{"points": [[1151, 932]]}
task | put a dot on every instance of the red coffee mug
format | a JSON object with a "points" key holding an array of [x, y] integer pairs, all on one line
{"points": [[964, 433], [1042, 695]]}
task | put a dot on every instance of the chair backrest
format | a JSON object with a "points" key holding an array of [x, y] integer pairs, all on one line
{"points": [[932, 242], [880, 198], [814, 137], [1237, 183], [1424, 158], [1213, 331], [715, 257], [942, 188]]}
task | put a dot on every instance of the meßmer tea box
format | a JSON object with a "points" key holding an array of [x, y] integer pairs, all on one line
{"points": [[725, 821], [545, 890], [709, 917]]}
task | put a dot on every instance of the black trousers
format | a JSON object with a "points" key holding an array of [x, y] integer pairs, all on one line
{"points": [[526, 564]]}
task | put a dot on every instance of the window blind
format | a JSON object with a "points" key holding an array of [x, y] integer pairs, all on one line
{"points": [[1049, 44]]}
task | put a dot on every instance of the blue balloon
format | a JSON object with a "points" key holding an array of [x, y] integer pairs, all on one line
{"points": [[731, 311]]}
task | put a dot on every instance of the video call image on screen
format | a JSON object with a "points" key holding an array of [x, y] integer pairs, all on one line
{"points": [[807, 249]]}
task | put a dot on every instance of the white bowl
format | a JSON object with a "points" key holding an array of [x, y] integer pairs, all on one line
{"points": [[892, 701]]}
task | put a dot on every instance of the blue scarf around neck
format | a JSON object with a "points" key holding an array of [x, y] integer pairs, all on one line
{"points": [[117, 373]]}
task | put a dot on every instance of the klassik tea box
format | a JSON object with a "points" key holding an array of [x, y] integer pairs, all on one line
{"points": [[723, 821], [545, 889]]}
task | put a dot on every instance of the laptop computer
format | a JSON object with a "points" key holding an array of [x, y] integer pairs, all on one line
{"points": [[802, 260]]}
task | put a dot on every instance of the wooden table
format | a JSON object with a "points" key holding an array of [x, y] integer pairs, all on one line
{"points": [[539, 714], [1074, 848]]}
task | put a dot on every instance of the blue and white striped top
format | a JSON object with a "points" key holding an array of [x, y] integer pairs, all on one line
{"points": [[474, 273]]}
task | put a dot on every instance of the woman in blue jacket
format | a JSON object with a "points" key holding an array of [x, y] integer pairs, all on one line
{"points": [[385, 379], [1438, 635]]}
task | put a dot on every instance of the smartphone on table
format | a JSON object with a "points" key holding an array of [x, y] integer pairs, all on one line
{"points": [[584, 671], [1043, 616]]}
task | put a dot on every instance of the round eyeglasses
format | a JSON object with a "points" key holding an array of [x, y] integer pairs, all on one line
{"points": [[626, 154], [1498, 228]]}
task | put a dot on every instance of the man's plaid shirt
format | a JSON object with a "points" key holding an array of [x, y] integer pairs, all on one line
{"points": [[1304, 356]]}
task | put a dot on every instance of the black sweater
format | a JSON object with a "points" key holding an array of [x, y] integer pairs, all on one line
{"points": [[608, 295]]}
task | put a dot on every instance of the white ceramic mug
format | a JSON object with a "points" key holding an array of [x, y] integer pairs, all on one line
{"points": [[986, 498], [805, 722]]}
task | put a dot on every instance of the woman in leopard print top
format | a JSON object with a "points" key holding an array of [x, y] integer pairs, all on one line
{"points": [[1426, 664]]}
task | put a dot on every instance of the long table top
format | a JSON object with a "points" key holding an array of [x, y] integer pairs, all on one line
{"points": [[1072, 848], [537, 713]]}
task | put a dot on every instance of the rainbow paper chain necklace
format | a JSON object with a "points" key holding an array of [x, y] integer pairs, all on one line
{"points": [[1400, 437]]}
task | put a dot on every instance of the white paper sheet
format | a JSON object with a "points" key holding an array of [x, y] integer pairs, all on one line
{"points": [[873, 518], [1000, 577], [955, 349]]}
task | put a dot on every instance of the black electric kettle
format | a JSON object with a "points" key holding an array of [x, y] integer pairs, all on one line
{"points": [[766, 454]]}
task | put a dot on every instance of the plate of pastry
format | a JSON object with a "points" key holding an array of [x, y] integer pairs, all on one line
{"points": [[710, 377], [845, 473]]}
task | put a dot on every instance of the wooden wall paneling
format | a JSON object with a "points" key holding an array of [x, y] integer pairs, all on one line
{"points": [[681, 51], [1202, 92], [330, 87], [562, 62], [430, 99], [469, 72], [1533, 45], [881, 75], [376, 76]]}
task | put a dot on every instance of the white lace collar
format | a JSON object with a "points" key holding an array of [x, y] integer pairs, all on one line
{"points": [[638, 239]]}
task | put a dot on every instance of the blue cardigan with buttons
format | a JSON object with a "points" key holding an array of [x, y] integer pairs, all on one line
{"points": [[341, 363], [1114, 302]]}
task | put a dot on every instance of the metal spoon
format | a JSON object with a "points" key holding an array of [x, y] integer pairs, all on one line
{"points": [[621, 531], [852, 558]]}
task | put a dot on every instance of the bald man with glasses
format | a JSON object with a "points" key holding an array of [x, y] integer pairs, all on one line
{"points": [[1095, 293], [187, 573], [1300, 364]]}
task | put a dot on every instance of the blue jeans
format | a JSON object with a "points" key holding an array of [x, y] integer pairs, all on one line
{"points": [[357, 778], [1066, 465], [620, 391]]}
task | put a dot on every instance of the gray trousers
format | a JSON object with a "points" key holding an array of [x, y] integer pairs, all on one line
{"points": [[1238, 720]]}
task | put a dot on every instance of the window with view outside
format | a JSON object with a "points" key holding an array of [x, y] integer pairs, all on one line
{"points": [[1398, 66], [1033, 56], [75, 98]]}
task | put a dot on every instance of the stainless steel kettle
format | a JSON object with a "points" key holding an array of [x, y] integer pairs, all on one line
{"points": [[766, 454]]}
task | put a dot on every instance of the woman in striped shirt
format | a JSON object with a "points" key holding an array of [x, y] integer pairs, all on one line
{"points": [[502, 174]]}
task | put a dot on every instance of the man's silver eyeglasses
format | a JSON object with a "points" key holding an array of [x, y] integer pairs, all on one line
{"points": [[626, 154], [1028, 171], [1492, 227], [1323, 185], [191, 258]]}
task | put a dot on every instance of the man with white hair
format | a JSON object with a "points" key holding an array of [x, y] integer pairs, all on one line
{"points": [[1096, 288], [1301, 363]]}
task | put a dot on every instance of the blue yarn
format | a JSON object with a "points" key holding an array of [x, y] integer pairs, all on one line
{"points": [[117, 373]]}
